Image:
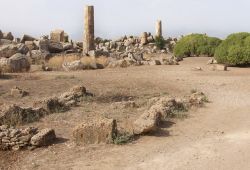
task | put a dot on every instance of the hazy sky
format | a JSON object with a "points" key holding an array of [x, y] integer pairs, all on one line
{"points": [[114, 18]]}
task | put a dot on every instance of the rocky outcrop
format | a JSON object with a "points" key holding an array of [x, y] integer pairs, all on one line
{"points": [[95, 132]]}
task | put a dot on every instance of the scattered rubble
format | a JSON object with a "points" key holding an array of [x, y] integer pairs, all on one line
{"points": [[16, 139], [165, 107], [219, 67], [17, 92]]}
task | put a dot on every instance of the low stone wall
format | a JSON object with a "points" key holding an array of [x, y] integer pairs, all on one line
{"points": [[16, 139]]}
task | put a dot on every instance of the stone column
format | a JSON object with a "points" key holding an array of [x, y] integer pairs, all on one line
{"points": [[144, 38], [89, 33], [158, 29]]}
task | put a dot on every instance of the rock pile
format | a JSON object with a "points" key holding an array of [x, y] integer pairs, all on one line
{"points": [[16, 52], [16, 139]]}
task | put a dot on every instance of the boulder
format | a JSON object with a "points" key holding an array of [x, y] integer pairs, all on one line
{"points": [[8, 50], [147, 122], [73, 66], [67, 46], [8, 36], [22, 48], [43, 45], [27, 38], [31, 45], [43, 138], [5, 42], [18, 63], [38, 57], [57, 36], [95, 132], [55, 47]]}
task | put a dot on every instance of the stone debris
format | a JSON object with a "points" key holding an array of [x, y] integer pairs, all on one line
{"points": [[149, 120], [197, 98], [17, 92], [16, 139], [165, 107], [219, 67], [212, 61], [197, 69], [95, 132], [43, 138]]}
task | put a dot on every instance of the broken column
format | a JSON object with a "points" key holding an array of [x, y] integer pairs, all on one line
{"points": [[158, 29], [89, 34], [144, 38]]}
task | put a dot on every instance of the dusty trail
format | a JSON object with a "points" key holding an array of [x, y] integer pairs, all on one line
{"points": [[214, 137]]}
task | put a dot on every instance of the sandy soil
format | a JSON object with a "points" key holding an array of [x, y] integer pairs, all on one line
{"points": [[216, 136]]}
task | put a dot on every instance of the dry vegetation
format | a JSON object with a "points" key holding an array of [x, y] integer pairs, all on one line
{"points": [[56, 62]]}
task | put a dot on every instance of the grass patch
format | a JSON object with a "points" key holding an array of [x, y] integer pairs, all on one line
{"points": [[123, 138]]}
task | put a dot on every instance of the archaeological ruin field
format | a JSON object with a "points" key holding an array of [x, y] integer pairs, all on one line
{"points": [[137, 102]]}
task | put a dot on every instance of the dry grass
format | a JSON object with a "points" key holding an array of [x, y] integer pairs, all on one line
{"points": [[57, 61]]}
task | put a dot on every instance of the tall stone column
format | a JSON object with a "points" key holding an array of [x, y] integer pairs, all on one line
{"points": [[158, 29], [89, 32]]}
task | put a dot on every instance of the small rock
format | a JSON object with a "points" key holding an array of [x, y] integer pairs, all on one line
{"points": [[43, 138]]}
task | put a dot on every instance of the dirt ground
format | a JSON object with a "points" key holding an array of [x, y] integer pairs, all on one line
{"points": [[216, 136]]}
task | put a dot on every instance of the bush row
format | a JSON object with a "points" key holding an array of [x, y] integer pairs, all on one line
{"points": [[234, 50]]}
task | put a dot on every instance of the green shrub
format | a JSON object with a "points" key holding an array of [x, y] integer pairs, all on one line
{"points": [[235, 50], [196, 45], [160, 42]]}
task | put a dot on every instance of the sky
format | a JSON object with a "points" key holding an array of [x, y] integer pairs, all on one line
{"points": [[115, 18]]}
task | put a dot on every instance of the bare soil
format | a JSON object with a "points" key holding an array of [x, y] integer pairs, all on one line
{"points": [[216, 136]]}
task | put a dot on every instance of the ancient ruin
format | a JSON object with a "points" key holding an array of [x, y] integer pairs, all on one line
{"points": [[145, 94], [89, 34], [158, 29]]}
